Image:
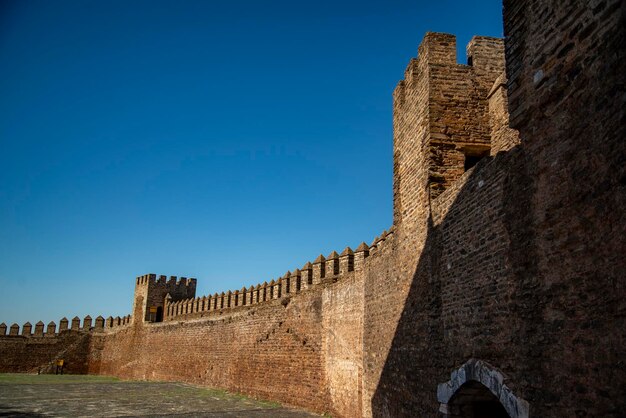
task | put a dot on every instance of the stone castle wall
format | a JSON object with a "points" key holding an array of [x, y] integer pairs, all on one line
{"points": [[501, 278]]}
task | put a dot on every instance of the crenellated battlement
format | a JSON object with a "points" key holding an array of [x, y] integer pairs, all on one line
{"points": [[152, 278], [324, 270], [443, 119], [75, 325]]}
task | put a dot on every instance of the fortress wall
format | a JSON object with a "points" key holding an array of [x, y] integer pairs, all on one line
{"points": [[566, 65], [303, 349], [457, 300], [272, 351], [517, 262], [381, 309], [342, 344], [37, 350], [33, 350], [19, 354], [522, 264]]}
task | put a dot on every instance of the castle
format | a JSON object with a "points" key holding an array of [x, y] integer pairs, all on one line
{"points": [[499, 289]]}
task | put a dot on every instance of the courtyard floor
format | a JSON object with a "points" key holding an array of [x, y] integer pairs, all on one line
{"points": [[99, 396]]}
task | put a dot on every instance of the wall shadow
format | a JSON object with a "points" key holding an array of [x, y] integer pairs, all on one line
{"points": [[455, 310]]}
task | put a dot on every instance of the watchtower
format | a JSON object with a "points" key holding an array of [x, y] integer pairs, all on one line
{"points": [[441, 120], [150, 293]]}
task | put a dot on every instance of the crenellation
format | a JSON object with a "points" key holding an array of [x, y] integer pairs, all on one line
{"points": [[332, 264], [250, 295], [99, 325], [75, 324], [307, 276], [360, 254], [319, 269], [438, 48], [346, 261], [39, 327], [285, 281], [63, 324], [485, 54], [87, 323], [295, 280], [3, 329], [243, 294], [26, 329], [51, 329], [290, 283], [255, 294], [14, 330]]}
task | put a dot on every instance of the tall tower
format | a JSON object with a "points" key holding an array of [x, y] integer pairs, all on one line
{"points": [[150, 293], [441, 120]]}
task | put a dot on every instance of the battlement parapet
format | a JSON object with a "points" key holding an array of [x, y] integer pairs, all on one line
{"points": [[324, 270], [41, 330], [151, 278], [159, 298], [443, 106]]}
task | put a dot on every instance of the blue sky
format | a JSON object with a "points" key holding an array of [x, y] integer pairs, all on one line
{"points": [[229, 141]]}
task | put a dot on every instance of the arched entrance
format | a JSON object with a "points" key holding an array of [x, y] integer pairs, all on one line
{"points": [[473, 400], [478, 390]]}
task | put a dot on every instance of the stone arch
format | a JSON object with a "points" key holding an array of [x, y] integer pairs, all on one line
{"points": [[483, 381]]}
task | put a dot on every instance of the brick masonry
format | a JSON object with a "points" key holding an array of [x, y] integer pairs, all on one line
{"points": [[500, 284]]}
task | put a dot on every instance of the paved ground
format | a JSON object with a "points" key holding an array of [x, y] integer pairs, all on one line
{"points": [[98, 396]]}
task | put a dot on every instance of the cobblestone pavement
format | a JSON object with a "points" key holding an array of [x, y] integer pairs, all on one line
{"points": [[96, 396]]}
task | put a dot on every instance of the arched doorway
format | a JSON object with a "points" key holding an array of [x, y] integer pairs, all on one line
{"points": [[474, 400], [478, 390]]}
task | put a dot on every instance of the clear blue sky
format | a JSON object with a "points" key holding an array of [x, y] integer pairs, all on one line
{"points": [[229, 141]]}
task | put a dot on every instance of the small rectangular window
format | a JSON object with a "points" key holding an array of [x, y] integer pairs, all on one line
{"points": [[472, 157]]}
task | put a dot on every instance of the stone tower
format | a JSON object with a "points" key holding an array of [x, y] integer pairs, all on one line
{"points": [[150, 293], [441, 120]]}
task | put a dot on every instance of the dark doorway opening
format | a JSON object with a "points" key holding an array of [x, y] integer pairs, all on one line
{"points": [[159, 314], [474, 400]]}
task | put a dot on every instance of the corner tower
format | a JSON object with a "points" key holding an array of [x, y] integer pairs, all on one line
{"points": [[150, 293]]}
